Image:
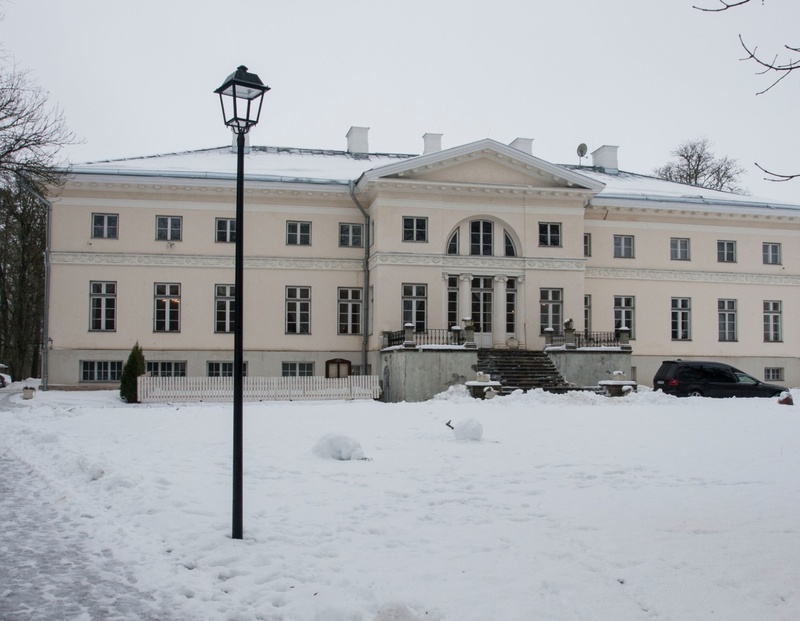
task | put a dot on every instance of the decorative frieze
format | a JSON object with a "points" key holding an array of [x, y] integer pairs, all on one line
{"points": [[684, 276], [160, 260]]}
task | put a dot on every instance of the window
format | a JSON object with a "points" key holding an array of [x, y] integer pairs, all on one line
{"points": [[550, 314], [225, 308], [625, 313], [298, 310], [224, 369], [452, 302], [103, 302], [549, 233], [298, 233], [168, 228], [297, 369], [226, 230], [511, 306], [772, 321], [481, 238], [587, 244], [587, 314], [415, 306], [162, 368], [415, 229], [681, 319], [167, 315], [105, 225], [482, 294], [679, 249], [726, 251], [452, 243], [351, 235], [771, 253], [773, 374], [350, 311], [511, 250], [101, 370], [726, 317], [623, 246]]}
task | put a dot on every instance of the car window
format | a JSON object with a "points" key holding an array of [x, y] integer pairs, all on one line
{"points": [[744, 378], [718, 375]]}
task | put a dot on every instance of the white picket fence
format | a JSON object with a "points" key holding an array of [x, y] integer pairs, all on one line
{"points": [[160, 389]]}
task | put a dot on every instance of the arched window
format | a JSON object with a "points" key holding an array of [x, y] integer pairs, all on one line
{"points": [[511, 250], [452, 243], [481, 237]]}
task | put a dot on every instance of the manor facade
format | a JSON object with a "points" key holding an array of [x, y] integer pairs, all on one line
{"points": [[344, 246]]}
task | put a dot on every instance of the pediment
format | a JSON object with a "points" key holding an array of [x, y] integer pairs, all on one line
{"points": [[485, 163]]}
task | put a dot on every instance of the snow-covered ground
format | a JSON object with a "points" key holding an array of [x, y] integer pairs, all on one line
{"points": [[548, 507]]}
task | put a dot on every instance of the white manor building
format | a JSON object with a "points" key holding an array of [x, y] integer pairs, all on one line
{"points": [[343, 246]]}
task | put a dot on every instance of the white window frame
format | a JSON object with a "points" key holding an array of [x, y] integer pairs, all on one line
{"points": [[298, 233], [773, 321], [624, 246], [298, 310], [726, 251], [351, 235], [167, 307], [679, 249], [350, 310], [550, 234], [771, 253], [102, 306], [727, 320], [681, 319], [101, 223], [415, 229], [224, 309], [169, 228], [101, 370], [225, 230]]}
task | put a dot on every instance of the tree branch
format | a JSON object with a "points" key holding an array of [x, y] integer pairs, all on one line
{"points": [[776, 176], [725, 6]]}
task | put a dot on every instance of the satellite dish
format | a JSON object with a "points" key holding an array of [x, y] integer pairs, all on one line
{"points": [[582, 149]]}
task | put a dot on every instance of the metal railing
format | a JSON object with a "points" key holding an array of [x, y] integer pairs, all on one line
{"points": [[433, 336], [589, 339]]}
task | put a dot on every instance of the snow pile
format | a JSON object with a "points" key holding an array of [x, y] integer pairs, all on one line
{"points": [[468, 430], [333, 446]]}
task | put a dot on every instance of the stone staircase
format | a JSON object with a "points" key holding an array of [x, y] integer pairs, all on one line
{"points": [[520, 369]]}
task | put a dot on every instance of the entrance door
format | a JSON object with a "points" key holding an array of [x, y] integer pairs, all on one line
{"points": [[482, 295]]}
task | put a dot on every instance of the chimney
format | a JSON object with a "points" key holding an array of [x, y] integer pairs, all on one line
{"points": [[523, 144], [433, 143], [235, 142], [605, 157], [357, 140]]}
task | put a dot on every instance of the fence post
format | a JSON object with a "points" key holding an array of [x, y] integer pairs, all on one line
{"points": [[625, 338], [409, 336], [469, 328], [548, 337], [569, 334]]}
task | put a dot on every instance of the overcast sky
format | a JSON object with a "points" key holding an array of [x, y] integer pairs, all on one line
{"points": [[137, 78]]}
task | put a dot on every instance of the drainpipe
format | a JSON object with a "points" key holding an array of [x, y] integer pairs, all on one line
{"points": [[365, 319]]}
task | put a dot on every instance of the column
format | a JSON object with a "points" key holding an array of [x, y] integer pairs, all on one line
{"points": [[465, 295], [499, 313]]}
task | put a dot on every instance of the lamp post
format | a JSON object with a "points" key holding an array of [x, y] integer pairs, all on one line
{"points": [[240, 96]]}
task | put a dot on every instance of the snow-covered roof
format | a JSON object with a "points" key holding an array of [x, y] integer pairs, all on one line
{"points": [[299, 165], [279, 163]]}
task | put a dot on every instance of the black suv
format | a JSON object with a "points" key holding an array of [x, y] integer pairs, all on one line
{"points": [[698, 378]]}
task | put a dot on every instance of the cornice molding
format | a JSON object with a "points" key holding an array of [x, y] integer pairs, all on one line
{"points": [[683, 276], [470, 264], [158, 260]]}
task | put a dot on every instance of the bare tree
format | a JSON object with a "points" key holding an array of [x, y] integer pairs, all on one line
{"points": [[31, 134], [774, 65], [23, 222], [694, 163]]}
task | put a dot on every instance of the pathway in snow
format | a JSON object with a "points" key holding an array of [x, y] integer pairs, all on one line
{"points": [[46, 570]]}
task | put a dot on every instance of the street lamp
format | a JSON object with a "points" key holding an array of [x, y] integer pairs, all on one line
{"points": [[240, 96]]}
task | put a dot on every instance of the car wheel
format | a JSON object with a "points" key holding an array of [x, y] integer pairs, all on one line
{"points": [[695, 393]]}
